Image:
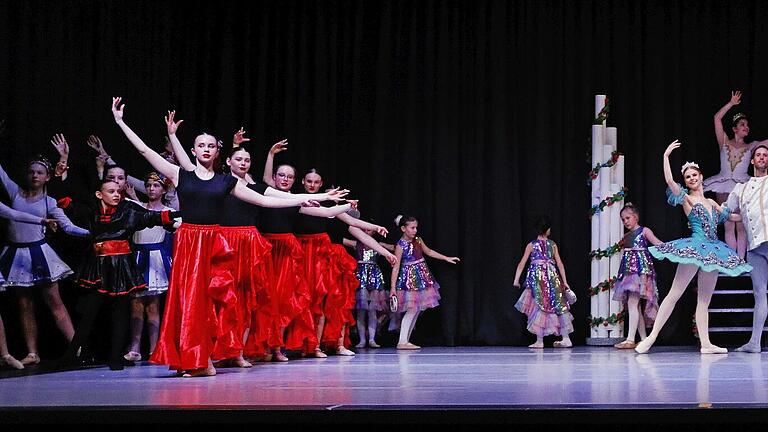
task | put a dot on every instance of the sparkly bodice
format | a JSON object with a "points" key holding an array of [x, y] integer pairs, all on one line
{"points": [[365, 253], [638, 240], [542, 250], [704, 224], [411, 250]]}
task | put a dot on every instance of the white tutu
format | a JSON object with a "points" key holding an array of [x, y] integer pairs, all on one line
{"points": [[154, 262], [30, 264]]}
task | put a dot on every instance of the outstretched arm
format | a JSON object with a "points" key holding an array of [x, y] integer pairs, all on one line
{"points": [[521, 265], [243, 193], [331, 195], [437, 255], [651, 237], [349, 220], [268, 176], [372, 243], [326, 212], [668, 169], [19, 216], [181, 155], [158, 162], [722, 137]]}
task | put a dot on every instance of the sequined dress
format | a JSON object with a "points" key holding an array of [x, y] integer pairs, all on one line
{"points": [[542, 299], [637, 275], [416, 288], [371, 294], [702, 248]]}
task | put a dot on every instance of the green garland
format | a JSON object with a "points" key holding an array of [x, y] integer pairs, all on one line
{"points": [[603, 114], [611, 320], [611, 162], [602, 287], [606, 253], [611, 200]]}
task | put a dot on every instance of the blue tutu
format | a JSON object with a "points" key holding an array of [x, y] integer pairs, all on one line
{"points": [[703, 248]]}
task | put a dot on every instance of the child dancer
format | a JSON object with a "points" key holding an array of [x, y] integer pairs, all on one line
{"points": [[110, 272], [412, 282], [636, 277], [701, 254], [543, 299], [153, 247]]}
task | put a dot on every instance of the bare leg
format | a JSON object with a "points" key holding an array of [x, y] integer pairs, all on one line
{"points": [[683, 276], [137, 327], [758, 258], [28, 322], [361, 327], [60, 314], [153, 321], [707, 282], [340, 348], [5, 356]]}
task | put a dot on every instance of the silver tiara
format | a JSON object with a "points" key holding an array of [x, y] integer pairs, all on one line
{"points": [[689, 165]]}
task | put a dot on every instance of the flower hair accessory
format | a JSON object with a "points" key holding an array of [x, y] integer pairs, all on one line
{"points": [[689, 165]]}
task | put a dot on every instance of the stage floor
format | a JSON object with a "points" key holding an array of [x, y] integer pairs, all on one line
{"points": [[462, 378]]}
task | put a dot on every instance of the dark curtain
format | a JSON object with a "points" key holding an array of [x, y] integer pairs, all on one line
{"points": [[473, 116]]}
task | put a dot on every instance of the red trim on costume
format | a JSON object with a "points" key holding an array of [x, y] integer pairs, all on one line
{"points": [[165, 217], [112, 247], [63, 203]]}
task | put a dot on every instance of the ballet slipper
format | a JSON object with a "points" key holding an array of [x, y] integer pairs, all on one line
{"points": [[241, 363], [31, 359], [750, 348], [202, 372], [625, 345], [536, 345], [8, 360], [343, 351], [713, 349], [132, 356], [561, 344], [373, 344], [318, 353], [278, 356], [408, 346], [360, 344]]}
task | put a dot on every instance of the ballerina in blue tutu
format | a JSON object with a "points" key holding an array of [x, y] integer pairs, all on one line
{"points": [[701, 253]]}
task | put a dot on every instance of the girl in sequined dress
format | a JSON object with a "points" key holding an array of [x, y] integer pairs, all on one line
{"points": [[412, 282], [636, 277], [543, 298], [701, 254]]}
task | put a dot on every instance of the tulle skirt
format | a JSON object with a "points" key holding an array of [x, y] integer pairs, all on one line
{"points": [[642, 285], [30, 264], [541, 322], [416, 287]]}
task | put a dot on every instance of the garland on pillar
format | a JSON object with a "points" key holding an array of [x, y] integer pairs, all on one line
{"points": [[607, 253], [602, 287], [611, 320], [609, 201], [609, 163], [603, 114]]}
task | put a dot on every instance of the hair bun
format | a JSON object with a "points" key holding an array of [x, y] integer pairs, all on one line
{"points": [[397, 219]]}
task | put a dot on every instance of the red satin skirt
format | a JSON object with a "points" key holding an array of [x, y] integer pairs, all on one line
{"points": [[317, 249], [249, 270], [342, 284], [200, 300], [287, 293]]}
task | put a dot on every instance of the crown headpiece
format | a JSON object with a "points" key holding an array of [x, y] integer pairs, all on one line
{"points": [[737, 117], [689, 165], [42, 160]]}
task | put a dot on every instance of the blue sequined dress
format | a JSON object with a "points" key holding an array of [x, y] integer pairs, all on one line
{"points": [[372, 294], [702, 248]]}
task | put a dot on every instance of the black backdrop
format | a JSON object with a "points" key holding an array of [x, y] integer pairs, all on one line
{"points": [[474, 116]]}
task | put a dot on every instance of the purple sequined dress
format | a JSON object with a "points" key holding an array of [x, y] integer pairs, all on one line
{"points": [[637, 275], [542, 299], [371, 294], [416, 288]]}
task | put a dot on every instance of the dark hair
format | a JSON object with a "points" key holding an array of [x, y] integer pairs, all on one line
{"points": [[542, 225], [274, 173], [737, 118], [313, 171], [631, 207], [104, 181], [113, 166], [402, 220], [752, 156]]}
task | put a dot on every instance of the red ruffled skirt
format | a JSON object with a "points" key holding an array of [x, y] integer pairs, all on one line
{"points": [[302, 333], [287, 294], [249, 270], [201, 298], [342, 283]]}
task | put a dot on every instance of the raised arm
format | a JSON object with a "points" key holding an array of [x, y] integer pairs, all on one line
{"points": [[369, 241], [60, 144], [668, 169], [722, 137], [395, 269], [521, 265], [268, 176], [178, 150], [651, 237], [436, 255], [239, 138], [10, 186], [158, 162], [243, 193], [561, 267]]}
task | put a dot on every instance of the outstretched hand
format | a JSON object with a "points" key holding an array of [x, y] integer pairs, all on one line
{"points": [[672, 146], [95, 143], [239, 138], [172, 126], [60, 143], [736, 97], [130, 192], [310, 203], [452, 260], [381, 231], [117, 108], [278, 147], [392, 259], [336, 194], [51, 224]]}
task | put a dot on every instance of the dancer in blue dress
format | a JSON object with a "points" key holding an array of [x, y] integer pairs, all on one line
{"points": [[701, 254]]}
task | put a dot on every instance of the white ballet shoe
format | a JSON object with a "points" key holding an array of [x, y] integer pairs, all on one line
{"points": [[318, 353], [8, 360], [31, 359], [132, 356], [644, 345], [536, 345], [360, 344], [713, 349], [749, 348], [373, 344], [343, 351]]}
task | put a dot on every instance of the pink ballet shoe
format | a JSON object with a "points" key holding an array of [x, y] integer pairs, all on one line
{"points": [[8, 360]]}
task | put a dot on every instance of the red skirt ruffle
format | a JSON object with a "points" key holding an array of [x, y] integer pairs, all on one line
{"points": [[342, 283], [249, 270], [287, 293], [200, 299]]}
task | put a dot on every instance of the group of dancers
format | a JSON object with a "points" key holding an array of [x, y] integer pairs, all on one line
{"points": [[741, 204], [253, 270]]}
